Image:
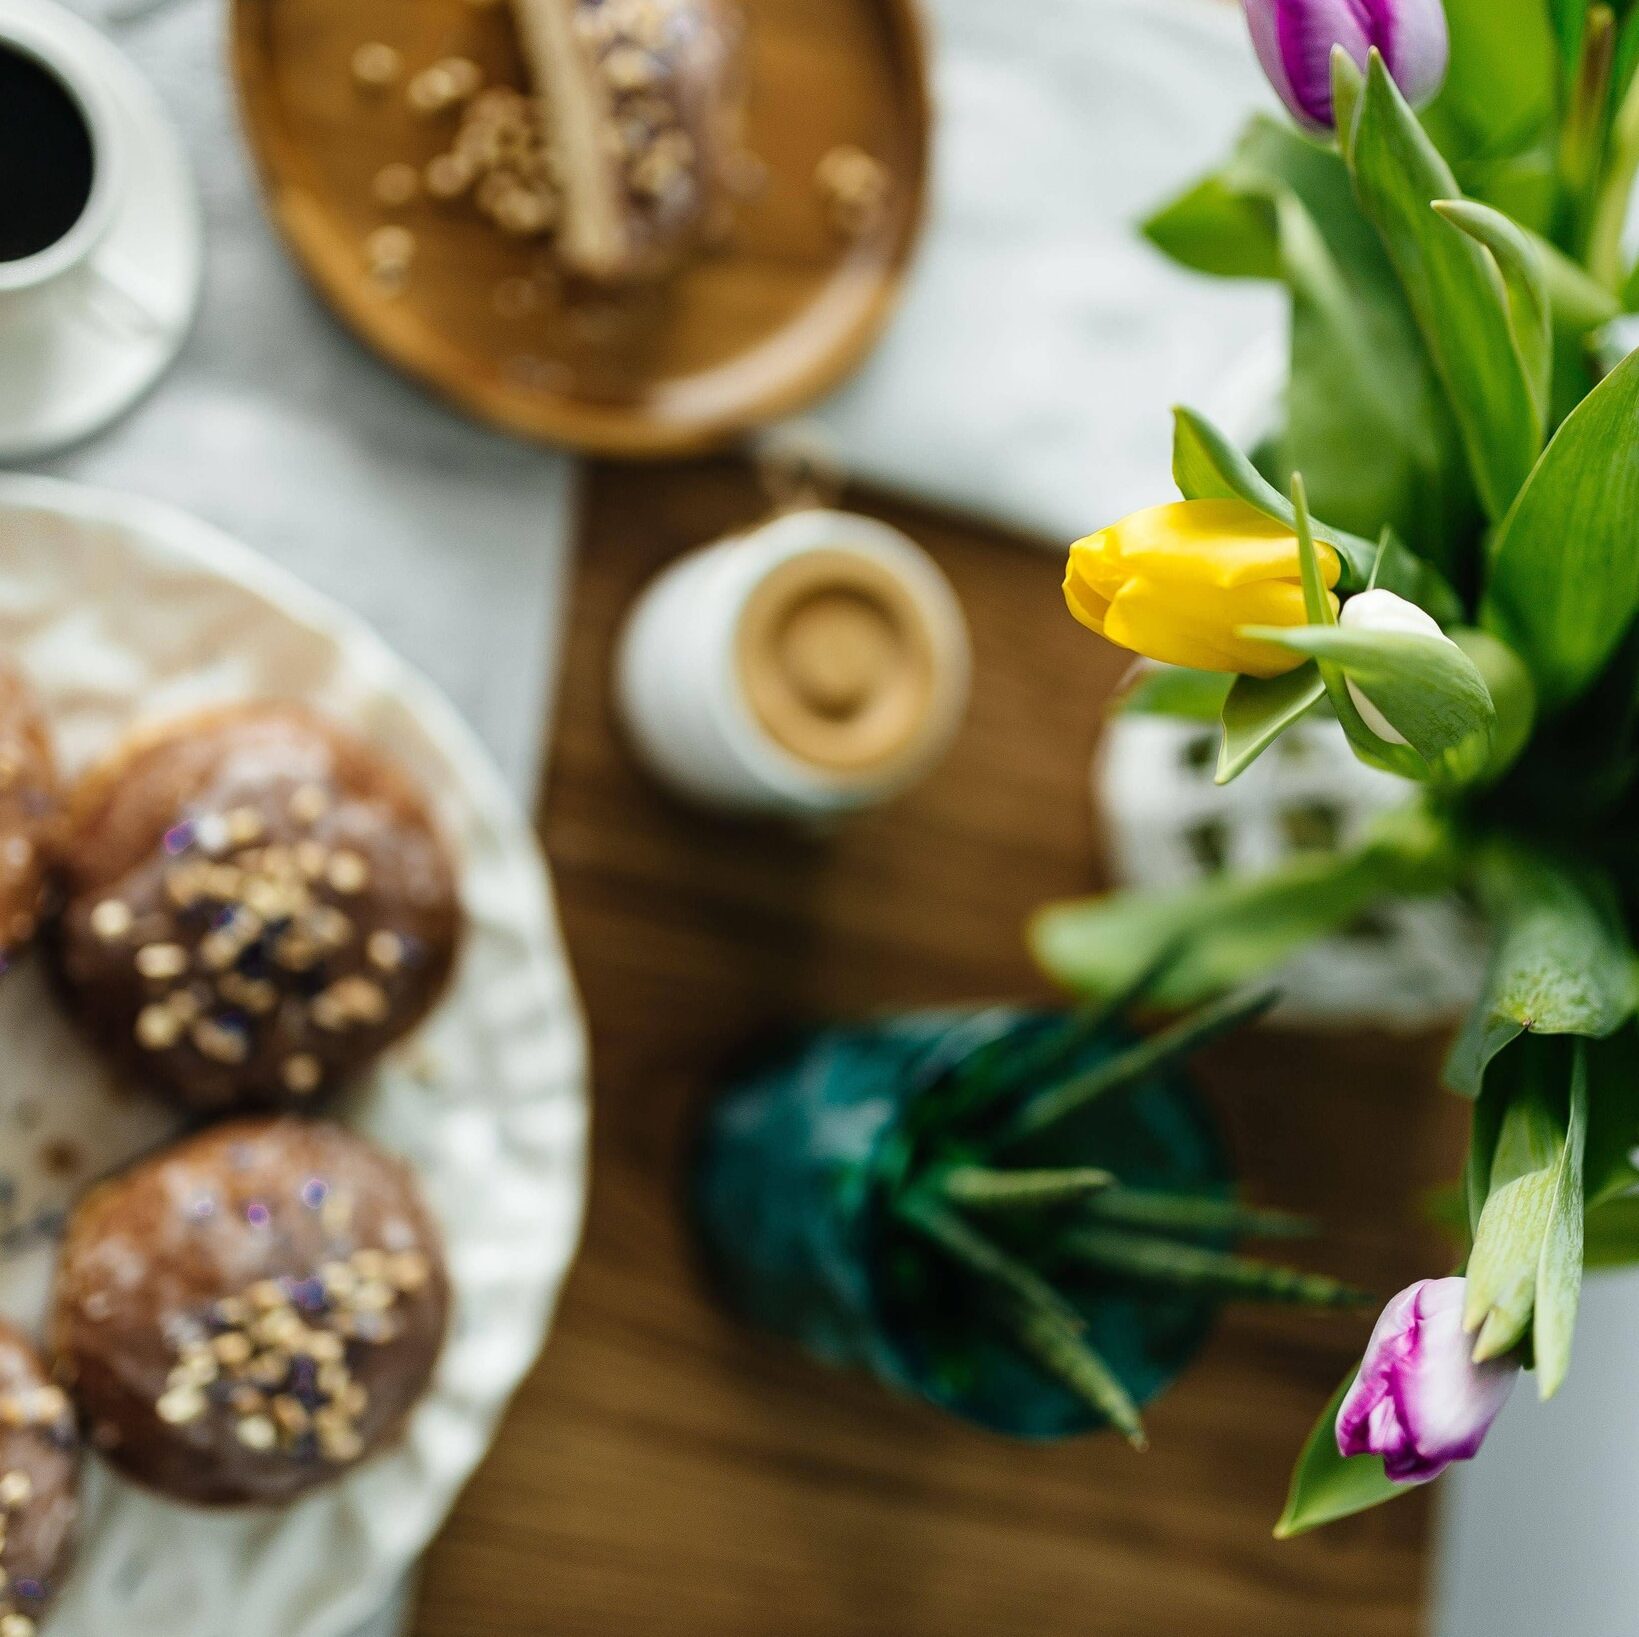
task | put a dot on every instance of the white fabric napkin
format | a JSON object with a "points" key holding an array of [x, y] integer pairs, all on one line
{"points": [[1041, 344]]}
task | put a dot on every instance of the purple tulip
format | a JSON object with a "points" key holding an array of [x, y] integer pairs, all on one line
{"points": [[1420, 1401], [1294, 40]]}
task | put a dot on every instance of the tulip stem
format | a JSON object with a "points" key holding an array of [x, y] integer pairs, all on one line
{"points": [[1582, 135], [1615, 191]]}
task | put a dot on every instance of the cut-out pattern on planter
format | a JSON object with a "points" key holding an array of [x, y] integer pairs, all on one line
{"points": [[1406, 966]]}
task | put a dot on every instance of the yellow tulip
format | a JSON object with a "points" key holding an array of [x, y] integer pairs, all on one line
{"points": [[1177, 583]]}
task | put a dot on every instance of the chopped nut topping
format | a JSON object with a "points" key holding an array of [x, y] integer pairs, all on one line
{"points": [[854, 188], [376, 65], [302, 1074], [281, 1351], [111, 920], [309, 803], [158, 1028], [396, 184], [180, 1405], [348, 872], [161, 961]]}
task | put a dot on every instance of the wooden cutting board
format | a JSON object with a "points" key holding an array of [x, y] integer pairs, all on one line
{"points": [[768, 320], [668, 1473]]}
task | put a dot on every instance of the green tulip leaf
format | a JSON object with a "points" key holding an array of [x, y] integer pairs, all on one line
{"points": [[1226, 929], [1259, 710], [1426, 686], [1611, 1234], [1561, 964], [1207, 466], [1608, 1170], [1502, 84], [1453, 288], [1513, 695], [1366, 418], [1327, 1485], [1502, 1267], [1559, 1268], [1176, 691], [1525, 280], [1218, 227], [1563, 587]]}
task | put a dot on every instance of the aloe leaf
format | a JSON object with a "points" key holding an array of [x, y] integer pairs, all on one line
{"points": [[981, 1188], [1047, 1325], [1194, 1267], [1147, 1057], [1191, 1214], [1067, 1354]]}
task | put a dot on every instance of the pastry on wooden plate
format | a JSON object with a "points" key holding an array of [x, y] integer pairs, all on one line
{"points": [[27, 811], [250, 1313], [643, 109], [39, 1472], [255, 904]]}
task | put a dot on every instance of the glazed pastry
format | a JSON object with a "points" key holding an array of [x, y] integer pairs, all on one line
{"points": [[246, 1315], [643, 107], [27, 811], [39, 1469], [255, 904]]}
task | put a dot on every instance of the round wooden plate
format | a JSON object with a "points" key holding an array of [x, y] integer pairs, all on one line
{"points": [[755, 328]]}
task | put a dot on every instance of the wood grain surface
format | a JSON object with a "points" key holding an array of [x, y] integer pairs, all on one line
{"points": [[666, 1473], [761, 325]]}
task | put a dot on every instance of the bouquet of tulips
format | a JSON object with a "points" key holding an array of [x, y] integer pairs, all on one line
{"points": [[1440, 547]]}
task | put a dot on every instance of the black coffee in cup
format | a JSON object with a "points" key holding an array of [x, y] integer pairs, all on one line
{"points": [[46, 158]]}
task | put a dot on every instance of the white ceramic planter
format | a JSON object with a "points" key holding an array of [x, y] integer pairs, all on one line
{"points": [[1406, 965]]}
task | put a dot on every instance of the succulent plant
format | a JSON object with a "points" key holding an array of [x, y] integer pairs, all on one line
{"points": [[982, 1211]]}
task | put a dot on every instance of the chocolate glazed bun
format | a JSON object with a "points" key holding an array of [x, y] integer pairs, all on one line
{"points": [[39, 1467], [246, 1315], [255, 904], [28, 807], [643, 108]]}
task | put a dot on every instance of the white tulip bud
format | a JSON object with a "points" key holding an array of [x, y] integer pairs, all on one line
{"points": [[1383, 611]]}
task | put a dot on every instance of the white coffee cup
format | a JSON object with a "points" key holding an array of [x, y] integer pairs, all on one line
{"points": [[56, 40], [684, 699]]}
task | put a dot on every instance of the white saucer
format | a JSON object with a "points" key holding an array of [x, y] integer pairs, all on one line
{"points": [[81, 350]]}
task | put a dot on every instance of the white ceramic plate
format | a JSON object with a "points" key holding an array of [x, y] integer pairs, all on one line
{"points": [[121, 610]]}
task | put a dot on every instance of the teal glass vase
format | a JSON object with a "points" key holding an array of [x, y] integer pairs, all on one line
{"points": [[795, 1171]]}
